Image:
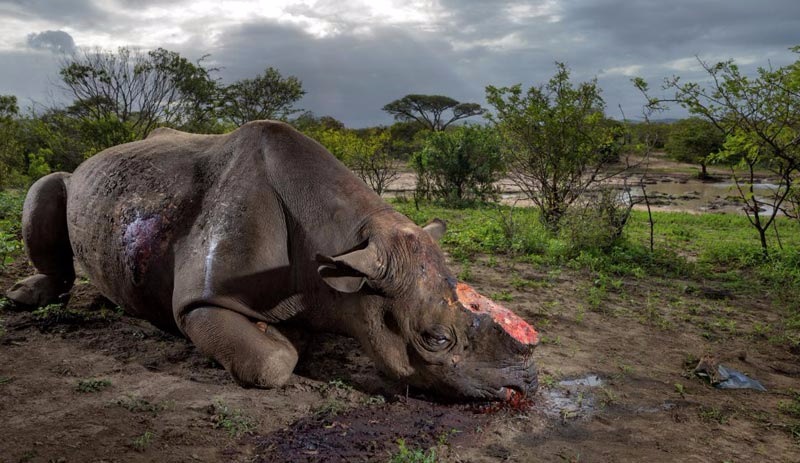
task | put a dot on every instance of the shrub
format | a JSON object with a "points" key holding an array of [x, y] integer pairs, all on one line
{"points": [[459, 166], [598, 224]]}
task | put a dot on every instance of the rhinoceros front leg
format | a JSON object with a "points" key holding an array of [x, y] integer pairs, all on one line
{"points": [[254, 354]]}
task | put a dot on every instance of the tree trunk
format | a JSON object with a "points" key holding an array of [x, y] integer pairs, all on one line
{"points": [[763, 235]]}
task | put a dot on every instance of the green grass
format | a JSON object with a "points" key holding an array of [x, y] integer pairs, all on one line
{"points": [[141, 443], [137, 404], [717, 251], [723, 247], [233, 421], [92, 385], [10, 225], [56, 314], [405, 454]]}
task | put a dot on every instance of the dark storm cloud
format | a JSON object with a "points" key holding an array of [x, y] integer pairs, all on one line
{"points": [[84, 13], [351, 73], [30, 76], [55, 41], [348, 76]]}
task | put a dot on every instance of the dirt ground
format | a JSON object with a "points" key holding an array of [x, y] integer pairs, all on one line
{"points": [[88, 384]]}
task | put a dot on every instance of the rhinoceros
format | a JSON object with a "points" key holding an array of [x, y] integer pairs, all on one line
{"points": [[222, 238]]}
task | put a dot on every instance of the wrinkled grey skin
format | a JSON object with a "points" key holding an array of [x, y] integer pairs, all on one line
{"points": [[220, 236]]}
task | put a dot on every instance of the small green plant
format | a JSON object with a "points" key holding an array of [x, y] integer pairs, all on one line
{"points": [[27, 456], [625, 369], [518, 282], [609, 397], [338, 384], [466, 271], [56, 314], [502, 296], [92, 385], [141, 443], [713, 414], [233, 421], [375, 400], [791, 407], [139, 405], [444, 437], [580, 314], [556, 341], [329, 409], [412, 455], [680, 389], [548, 381], [760, 330]]}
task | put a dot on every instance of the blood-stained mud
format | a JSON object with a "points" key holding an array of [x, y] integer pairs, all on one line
{"points": [[367, 433]]}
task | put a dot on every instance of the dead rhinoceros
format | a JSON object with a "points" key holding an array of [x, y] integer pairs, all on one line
{"points": [[223, 237]]}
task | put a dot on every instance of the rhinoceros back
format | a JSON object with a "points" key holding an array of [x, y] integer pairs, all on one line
{"points": [[126, 209]]}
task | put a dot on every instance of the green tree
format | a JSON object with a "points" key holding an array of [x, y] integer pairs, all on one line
{"points": [[140, 89], [653, 135], [11, 153], [406, 138], [694, 140], [555, 139], [367, 155], [431, 111], [459, 165], [268, 96], [308, 122], [760, 117], [371, 160]]}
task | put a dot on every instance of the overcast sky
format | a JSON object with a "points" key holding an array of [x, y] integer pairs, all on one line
{"points": [[355, 56]]}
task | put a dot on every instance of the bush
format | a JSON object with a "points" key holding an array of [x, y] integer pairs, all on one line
{"points": [[598, 224], [458, 166]]}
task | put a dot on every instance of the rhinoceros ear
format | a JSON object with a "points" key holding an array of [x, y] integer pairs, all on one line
{"points": [[436, 228], [348, 272]]}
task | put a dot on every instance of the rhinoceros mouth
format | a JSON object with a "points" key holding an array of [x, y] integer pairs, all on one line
{"points": [[508, 393]]}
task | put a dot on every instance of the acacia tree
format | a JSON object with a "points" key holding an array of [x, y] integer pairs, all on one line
{"points": [[760, 117], [139, 89], [431, 110], [694, 140], [268, 96], [555, 139]]}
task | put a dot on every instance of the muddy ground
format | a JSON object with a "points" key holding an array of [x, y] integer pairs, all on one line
{"points": [[87, 384]]}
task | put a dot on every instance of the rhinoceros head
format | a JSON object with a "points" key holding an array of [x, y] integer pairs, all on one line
{"points": [[420, 325]]}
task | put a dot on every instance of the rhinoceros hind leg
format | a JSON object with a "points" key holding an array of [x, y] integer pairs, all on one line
{"points": [[38, 290], [254, 358], [44, 231]]}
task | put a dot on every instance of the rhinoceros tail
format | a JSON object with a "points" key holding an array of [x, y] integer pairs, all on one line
{"points": [[44, 231]]}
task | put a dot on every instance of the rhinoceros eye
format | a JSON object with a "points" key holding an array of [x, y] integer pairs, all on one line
{"points": [[437, 338]]}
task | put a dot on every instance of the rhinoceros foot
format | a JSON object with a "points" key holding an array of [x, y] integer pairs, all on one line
{"points": [[269, 368], [38, 290]]}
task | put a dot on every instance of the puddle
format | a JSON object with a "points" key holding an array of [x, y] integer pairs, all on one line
{"points": [[588, 381], [571, 398]]}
